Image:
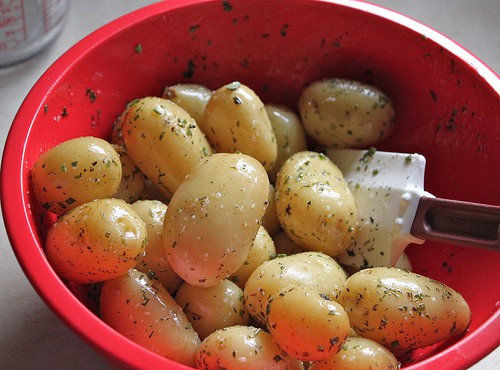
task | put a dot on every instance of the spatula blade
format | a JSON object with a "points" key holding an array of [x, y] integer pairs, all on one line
{"points": [[387, 188]]}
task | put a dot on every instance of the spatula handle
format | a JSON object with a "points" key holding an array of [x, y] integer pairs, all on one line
{"points": [[457, 222]]}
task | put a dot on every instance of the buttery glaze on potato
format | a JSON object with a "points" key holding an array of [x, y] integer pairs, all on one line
{"points": [[314, 204], [236, 121], [75, 172], [262, 250], [306, 324], [193, 98], [163, 141], [289, 133], [155, 261], [403, 310], [214, 216], [213, 308], [137, 306], [243, 347], [133, 182], [96, 241], [313, 269], [340, 113], [270, 219], [359, 353]]}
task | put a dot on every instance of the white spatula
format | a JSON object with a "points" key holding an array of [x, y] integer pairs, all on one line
{"points": [[395, 210]]}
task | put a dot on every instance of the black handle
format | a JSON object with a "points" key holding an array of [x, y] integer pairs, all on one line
{"points": [[457, 222]]}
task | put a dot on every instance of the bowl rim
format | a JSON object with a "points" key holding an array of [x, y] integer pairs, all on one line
{"points": [[15, 202]]}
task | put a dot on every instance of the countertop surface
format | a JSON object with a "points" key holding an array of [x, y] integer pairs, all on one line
{"points": [[31, 336]]}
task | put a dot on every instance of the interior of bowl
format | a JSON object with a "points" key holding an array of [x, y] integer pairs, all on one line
{"points": [[447, 106]]}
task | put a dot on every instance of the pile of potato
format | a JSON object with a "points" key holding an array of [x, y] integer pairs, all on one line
{"points": [[213, 225]]}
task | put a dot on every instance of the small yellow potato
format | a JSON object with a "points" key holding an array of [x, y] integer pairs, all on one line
{"points": [[289, 133], [140, 308], [262, 250], [193, 98], [133, 181], [359, 353], [307, 325], [403, 310], [214, 216], [284, 245], [213, 308], [270, 220], [313, 269], [163, 141], [116, 137], [96, 241], [75, 172], [155, 262], [340, 113], [243, 347], [151, 192], [314, 204], [236, 121]]}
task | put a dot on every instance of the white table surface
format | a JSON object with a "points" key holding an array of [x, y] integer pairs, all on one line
{"points": [[31, 336]]}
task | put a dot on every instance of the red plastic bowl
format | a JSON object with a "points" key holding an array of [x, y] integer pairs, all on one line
{"points": [[447, 104]]}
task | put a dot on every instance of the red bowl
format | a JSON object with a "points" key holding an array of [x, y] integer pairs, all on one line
{"points": [[447, 104]]}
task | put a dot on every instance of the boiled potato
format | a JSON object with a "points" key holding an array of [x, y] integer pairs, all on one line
{"points": [[306, 324], [359, 353], [243, 347], [163, 141], [139, 308], [289, 133], [403, 310], [340, 113], [235, 121], [193, 98], [96, 241], [213, 308], [262, 250], [75, 172], [270, 220], [214, 216], [116, 137], [284, 245], [154, 261], [313, 269], [133, 181], [314, 204]]}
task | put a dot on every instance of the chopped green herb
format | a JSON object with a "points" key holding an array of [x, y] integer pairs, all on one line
{"points": [[233, 85]]}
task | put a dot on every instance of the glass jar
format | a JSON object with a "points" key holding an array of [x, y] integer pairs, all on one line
{"points": [[27, 27]]}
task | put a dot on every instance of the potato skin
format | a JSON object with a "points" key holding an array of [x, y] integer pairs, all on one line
{"points": [[140, 308], [193, 98], [133, 181], [214, 216], [403, 310], [314, 204], [163, 141], [289, 133], [359, 353], [75, 172], [262, 250], [313, 269], [270, 219], [340, 113], [235, 121], [96, 241], [155, 261], [306, 324], [213, 308], [243, 347]]}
